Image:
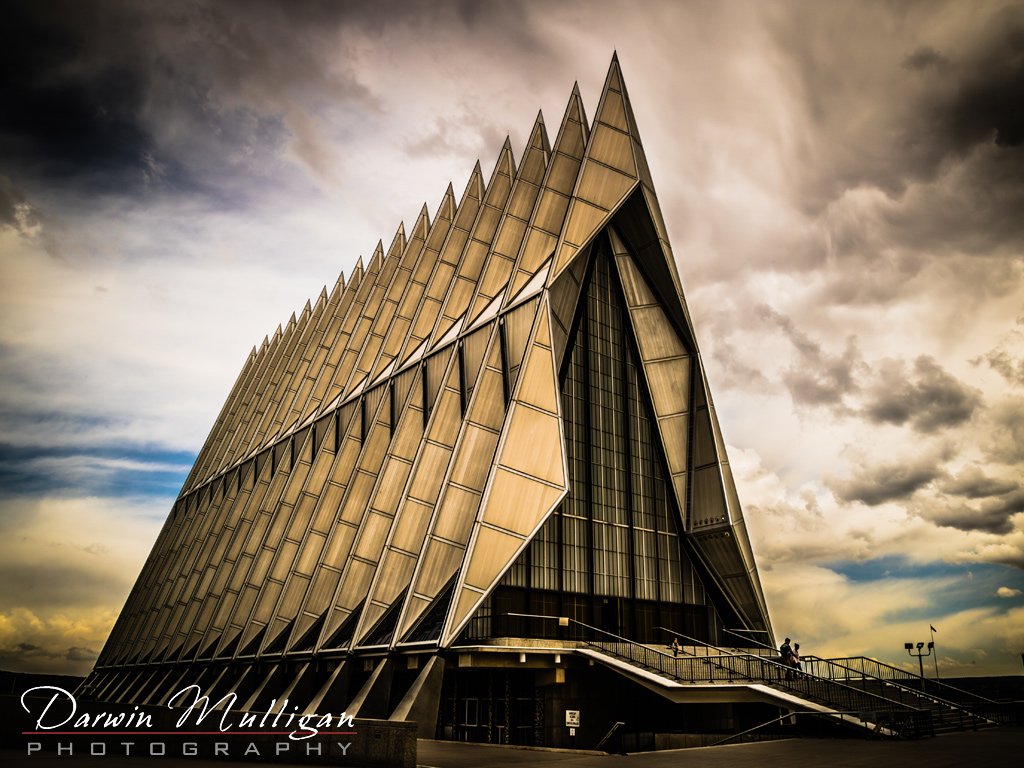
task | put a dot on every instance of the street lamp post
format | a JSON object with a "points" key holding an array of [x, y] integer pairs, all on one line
{"points": [[920, 656]]}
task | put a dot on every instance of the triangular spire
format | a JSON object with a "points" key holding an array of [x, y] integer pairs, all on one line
{"points": [[398, 243], [483, 231], [498, 187], [608, 174], [538, 136], [537, 143], [475, 186], [559, 183], [506, 163], [569, 142], [439, 229], [501, 257], [446, 210], [644, 173], [422, 225]]}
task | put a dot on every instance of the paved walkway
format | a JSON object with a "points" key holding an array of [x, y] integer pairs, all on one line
{"points": [[996, 748]]}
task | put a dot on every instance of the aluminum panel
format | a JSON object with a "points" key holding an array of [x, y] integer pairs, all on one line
{"points": [[395, 572], [604, 186], [533, 445], [411, 527], [669, 383], [517, 503], [488, 406], [673, 432], [456, 514], [539, 385], [584, 221], [493, 552], [708, 501], [476, 452], [703, 443], [655, 335], [613, 110], [430, 472], [612, 148], [440, 561], [391, 485], [372, 536], [553, 205]]}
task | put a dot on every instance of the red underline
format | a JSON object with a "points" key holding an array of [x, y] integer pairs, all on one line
{"points": [[184, 733]]}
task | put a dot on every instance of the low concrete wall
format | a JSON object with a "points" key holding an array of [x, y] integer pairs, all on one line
{"points": [[367, 744]]}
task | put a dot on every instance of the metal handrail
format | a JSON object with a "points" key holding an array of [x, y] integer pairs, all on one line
{"points": [[747, 639], [790, 715], [745, 666], [889, 672], [772, 651], [832, 682], [810, 685], [816, 663], [611, 732], [973, 708]]}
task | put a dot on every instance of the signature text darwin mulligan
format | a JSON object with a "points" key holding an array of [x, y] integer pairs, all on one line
{"points": [[197, 708]]}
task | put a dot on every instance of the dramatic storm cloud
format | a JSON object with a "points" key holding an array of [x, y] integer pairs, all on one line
{"points": [[842, 184], [928, 398]]}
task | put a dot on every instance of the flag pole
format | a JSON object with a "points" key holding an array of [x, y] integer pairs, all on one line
{"points": [[935, 652]]}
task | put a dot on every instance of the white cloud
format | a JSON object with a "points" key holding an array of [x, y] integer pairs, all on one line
{"points": [[1008, 592], [67, 567]]}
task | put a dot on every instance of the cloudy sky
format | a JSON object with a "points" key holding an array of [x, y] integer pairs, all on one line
{"points": [[843, 185]]}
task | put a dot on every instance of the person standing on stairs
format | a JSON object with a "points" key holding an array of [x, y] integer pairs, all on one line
{"points": [[786, 655]]}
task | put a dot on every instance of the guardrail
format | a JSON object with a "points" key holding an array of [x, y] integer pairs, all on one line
{"points": [[963, 707], [877, 712], [840, 696], [792, 716], [860, 666]]}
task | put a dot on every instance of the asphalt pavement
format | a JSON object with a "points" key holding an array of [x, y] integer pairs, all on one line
{"points": [[995, 748]]}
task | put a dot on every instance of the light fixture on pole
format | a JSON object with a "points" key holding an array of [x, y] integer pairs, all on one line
{"points": [[920, 656]]}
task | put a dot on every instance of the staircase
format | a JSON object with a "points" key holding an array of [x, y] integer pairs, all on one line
{"points": [[878, 699], [952, 708], [849, 705]]}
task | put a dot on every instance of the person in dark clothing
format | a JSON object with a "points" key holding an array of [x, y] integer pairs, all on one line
{"points": [[785, 652], [786, 657]]}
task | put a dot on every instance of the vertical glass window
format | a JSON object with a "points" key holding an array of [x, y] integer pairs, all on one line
{"points": [[545, 557], [615, 534]]}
